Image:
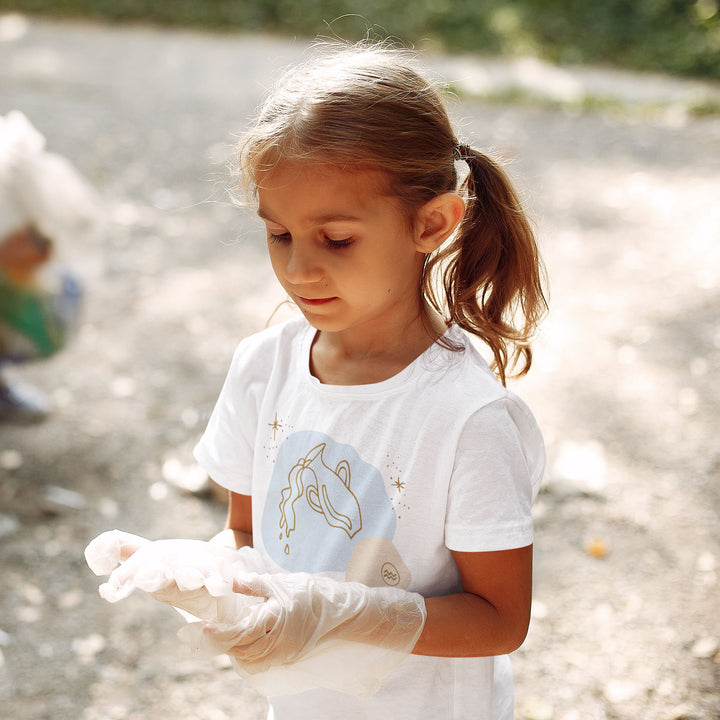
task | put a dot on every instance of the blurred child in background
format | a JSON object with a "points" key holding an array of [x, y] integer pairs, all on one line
{"points": [[43, 200]]}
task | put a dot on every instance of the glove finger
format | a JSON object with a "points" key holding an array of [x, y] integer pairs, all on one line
{"points": [[151, 576], [193, 634], [195, 564], [144, 570], [218, 583], [213, 638], [228, 636], [258, 635], [116, 589], [253, 585], [196, 603], [188, 578], [109, 549]]}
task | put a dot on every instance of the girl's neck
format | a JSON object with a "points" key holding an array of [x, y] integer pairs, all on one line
{"points": [[347, 359]]}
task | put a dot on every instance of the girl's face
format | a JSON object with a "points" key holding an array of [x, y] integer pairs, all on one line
{"points": [[343, 251]]}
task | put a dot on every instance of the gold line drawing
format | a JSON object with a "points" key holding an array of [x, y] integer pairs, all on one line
{"points": [[327, 492]]}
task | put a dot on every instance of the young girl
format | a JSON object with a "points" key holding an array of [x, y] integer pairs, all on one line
{"points": [[374, 461], [368, 437]]}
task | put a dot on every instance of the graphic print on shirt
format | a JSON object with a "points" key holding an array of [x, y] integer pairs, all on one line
{"points": [[327, 491], [327, 506]]}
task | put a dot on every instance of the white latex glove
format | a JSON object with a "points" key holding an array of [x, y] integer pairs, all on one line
{"points": [[303, 614], [193, 576], [284, 632]]}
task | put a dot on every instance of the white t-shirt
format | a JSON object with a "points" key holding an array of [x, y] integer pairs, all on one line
{"points": [[378, 483]]}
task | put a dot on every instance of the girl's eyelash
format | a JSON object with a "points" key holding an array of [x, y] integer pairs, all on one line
{"points": [[279, 237], [328, 243], [337, 244]]}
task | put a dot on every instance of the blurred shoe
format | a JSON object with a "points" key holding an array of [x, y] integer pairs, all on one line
{"points": [[22, 404]]}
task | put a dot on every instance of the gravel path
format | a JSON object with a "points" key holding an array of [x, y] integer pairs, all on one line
{"points": [[626, 620]]}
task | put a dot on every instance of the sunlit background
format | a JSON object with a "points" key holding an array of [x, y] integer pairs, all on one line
{"points": [[608, 117]]}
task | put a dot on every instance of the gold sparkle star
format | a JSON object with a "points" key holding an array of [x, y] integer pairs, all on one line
{"points": [[275, 425], [399, 484]]}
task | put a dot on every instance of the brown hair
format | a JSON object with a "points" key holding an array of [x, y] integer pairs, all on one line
{"points": [[367, 107]]}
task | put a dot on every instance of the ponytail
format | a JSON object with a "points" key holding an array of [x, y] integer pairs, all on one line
{"points": [[491, 273]]}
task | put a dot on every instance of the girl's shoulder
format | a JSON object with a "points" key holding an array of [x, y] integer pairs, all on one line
{"points": [[465, 383], [459, 367], [257, 353], [276, 337], [492, 415]]}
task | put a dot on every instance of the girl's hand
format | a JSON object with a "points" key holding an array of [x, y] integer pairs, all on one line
{"points": [[190, 575], [300, 613]]}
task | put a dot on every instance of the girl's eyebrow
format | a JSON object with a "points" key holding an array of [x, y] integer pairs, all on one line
{"points": [[261, 214], [317, 219], [334, 217]]}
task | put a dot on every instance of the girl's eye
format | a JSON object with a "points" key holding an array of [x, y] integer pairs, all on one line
{"points": [[327, 242], [279, 237], [337, 244]]}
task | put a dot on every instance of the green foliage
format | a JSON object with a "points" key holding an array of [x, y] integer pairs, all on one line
{"points": [[677, 36]]}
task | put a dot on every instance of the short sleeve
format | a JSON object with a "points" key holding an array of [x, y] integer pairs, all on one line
{"points": [[496, 476], [225, 450]]}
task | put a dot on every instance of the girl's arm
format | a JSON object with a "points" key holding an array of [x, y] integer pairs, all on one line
{"points": [[491, 616], [238, 527]]}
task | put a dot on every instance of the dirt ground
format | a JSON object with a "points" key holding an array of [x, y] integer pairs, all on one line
{"points": [[626, 619]]}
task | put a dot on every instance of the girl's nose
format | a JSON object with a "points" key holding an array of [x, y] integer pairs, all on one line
{"points": [[302, 265]]}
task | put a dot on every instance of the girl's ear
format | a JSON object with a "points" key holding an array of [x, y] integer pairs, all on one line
{"points": [[436, 221]]}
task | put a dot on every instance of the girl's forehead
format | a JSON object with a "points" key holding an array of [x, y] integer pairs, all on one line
{"points": [[322, 193], [290, 174]]}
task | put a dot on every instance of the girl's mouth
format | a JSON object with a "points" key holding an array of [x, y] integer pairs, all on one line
{"points": [[316, 301]]}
